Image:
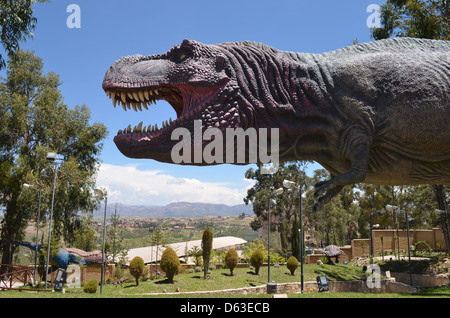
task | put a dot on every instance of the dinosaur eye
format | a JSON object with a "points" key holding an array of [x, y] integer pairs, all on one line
{"points": [[182, 57]]}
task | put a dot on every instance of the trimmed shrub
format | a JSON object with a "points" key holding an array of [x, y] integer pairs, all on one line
{"points": [[170, 263], [292, 264], [256, 260], [137, 268], [90, 287], [231, 260], [207, 242]]}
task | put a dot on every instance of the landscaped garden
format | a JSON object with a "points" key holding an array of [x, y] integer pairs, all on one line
{"points": [[220, 279]]}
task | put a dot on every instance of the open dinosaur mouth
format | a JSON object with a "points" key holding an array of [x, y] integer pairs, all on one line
{"points": [[187, 101], [140, 99]]}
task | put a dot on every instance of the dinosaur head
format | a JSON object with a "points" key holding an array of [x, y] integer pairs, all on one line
{"points": [[198, 80]]}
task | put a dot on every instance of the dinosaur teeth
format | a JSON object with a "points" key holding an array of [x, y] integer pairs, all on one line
{"points": [[141, 96], [135, 99], [145, 129], [138, 99]]}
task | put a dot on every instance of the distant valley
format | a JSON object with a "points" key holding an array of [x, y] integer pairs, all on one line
{"points": [[174, 210]]}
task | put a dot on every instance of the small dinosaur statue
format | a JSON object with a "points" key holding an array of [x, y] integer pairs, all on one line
{"points": [[376, 112], [66, 256]]}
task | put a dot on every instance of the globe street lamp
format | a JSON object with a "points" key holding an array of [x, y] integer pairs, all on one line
{"points": [[26, 185], [52, 157], [276, 192], [291, 185], [101, 193]]}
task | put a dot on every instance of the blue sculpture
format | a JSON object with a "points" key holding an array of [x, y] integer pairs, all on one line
{"points": [[66, 256]]}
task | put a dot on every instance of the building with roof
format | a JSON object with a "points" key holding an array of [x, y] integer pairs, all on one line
{"points": [[152, 254]]}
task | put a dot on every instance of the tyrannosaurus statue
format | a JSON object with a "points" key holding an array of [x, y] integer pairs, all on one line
{"points": [[377, 112], [66, 255]]}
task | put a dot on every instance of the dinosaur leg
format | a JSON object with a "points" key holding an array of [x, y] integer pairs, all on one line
{"points": [[358, 155], [326, 198]]}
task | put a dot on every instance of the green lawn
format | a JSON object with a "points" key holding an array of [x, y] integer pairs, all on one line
{"points": [[220, 279]]}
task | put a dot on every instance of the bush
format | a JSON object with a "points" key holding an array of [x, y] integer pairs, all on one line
{"points": [[207, 242], [170, 263], [231, 260], [292, 264], [256, 260], [90, 287], [137, 268]]}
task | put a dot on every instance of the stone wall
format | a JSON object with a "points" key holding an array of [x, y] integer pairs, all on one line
{"points": [[387, 286], [420, 280]]}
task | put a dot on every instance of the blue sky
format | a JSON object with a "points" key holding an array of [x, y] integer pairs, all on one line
{"points": [[110, 29]]}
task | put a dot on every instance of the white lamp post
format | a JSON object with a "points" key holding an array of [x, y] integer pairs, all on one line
{"points": [[52, 157]]}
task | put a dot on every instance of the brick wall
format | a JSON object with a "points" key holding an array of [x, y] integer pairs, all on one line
{"points": [[90, 272], [386, 240]]}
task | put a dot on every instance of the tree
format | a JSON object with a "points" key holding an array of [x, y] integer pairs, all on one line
{"points": [[170, 263], [84, 234], [207, 243], [256, 260], [337, 220], [231, 259], [158, 240], [414, 18], [196, 252], [137, 268], [253, 246], [284, 206], [292, 264], [17, 24], [115, 236], [33, 121]]}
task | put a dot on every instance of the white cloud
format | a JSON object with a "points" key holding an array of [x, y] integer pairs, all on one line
{"points": [[129, 185]]}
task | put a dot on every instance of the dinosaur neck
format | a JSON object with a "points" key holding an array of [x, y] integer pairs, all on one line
{"points": [[27, 244], [263, 81], [286, 91]]}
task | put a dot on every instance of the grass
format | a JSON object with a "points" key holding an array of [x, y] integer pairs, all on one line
{"points": [[221, 279]]}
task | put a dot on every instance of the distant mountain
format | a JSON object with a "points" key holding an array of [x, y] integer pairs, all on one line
{"points": [[179, 209]]}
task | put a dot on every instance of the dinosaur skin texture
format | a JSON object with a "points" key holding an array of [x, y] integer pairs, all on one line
{"points": [[377, 112]]}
